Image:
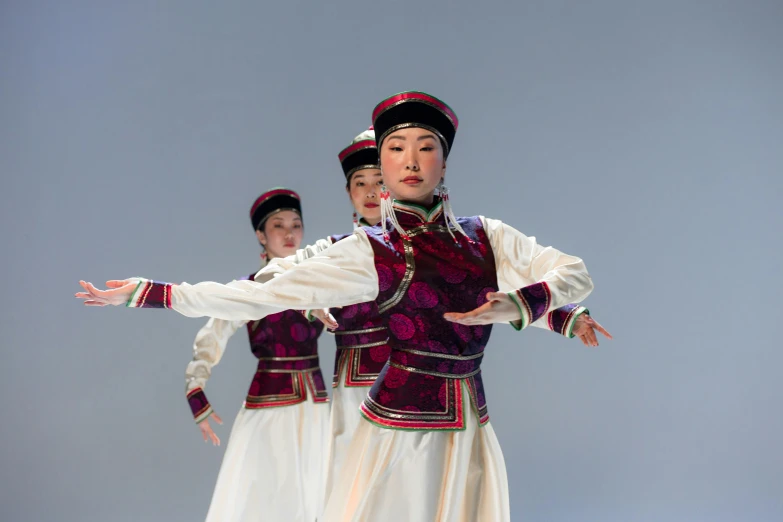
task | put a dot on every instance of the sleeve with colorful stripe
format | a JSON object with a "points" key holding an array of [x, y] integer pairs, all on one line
{"points": [[561, 320], [151, 294], [534, 303], [199, 404]]}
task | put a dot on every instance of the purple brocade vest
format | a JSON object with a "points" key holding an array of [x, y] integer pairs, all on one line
{"points": [[286, 345], [362, 343], [421, 277]]}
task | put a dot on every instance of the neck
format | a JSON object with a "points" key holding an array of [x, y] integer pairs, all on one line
{"points": [[424, 201]]}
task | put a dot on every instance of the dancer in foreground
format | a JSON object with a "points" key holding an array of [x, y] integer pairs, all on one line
{"points": [[427, 451], [361, 335]]}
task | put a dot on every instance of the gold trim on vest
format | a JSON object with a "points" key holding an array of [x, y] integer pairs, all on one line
{"points": [[434, 374], [288, 370], [359, 332]]}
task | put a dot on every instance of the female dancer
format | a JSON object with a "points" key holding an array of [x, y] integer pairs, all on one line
{"points": [[427, 451], [361, 335], [273, 466]]}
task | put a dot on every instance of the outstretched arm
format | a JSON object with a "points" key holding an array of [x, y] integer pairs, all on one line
{"points": [[341, 275], [279, 265]]}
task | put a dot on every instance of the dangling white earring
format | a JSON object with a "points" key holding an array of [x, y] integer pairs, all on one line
{"points": [[387, 213], [451, 219], [443, 190]]}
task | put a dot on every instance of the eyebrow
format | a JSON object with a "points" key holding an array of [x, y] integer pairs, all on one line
{"points": [[424, 137]]}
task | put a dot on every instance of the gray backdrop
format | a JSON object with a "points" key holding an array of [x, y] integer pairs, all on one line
{"points": [[644, 137]]}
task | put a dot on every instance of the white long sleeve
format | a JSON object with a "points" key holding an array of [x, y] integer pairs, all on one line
{"points": [[208, 349], [279, 265], [340, 275]]}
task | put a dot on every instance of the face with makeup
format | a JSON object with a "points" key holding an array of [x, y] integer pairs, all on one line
{"points": [[413, 164], [364, 189], [281, 234]]}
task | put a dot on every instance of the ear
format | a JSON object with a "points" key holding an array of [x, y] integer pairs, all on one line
{"points": [[261, 237]]}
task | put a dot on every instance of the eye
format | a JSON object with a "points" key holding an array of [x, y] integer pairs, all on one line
{"points": [[359, 183], [395, 148], [298, 225], [427, 148], [379, 183]]}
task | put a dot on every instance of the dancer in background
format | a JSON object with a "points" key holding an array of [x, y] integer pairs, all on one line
{"points": [[273, 466]]}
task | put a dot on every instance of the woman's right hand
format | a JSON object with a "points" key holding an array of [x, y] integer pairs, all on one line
{"points": [[119, 293], [206, 430], [323, 315]]}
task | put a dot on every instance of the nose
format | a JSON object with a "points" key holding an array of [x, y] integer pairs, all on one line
{"points": [[412, 161]]}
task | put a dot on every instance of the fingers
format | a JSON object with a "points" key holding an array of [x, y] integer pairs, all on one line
{"points": [[601, 329], [216, 418], [89, 290], [92, 290], [466, 318], [591, 337], [331, 322], [88, 286], [454, 317], [583, 338], [210, 434], [326, 318], [499, 296], [117, 283], [95, 303]]}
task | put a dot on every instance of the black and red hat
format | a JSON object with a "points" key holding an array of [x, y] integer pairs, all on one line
{"points": [[271, 202], [361, 154], [415, 109]]}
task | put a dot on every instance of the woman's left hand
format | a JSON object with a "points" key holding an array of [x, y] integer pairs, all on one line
{"points": [[118, 293], [499, 308], [585, 327]]}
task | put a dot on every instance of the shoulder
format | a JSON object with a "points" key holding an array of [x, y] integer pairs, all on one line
{"points": [[373, 233], [473, 222]]}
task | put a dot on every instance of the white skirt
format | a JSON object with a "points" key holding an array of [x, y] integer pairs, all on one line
{"points": [[343, 422], [421, 476], [272, 470]]}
